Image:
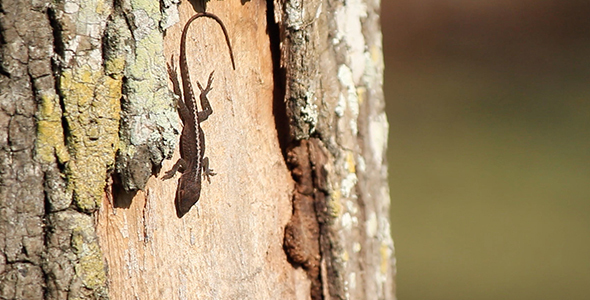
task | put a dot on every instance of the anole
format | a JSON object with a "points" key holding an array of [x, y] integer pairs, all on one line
{"points": [[193, 162]]}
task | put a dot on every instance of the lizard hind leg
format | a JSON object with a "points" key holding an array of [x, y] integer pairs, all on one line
{"points": [[209, 82], [180, 165], [207, 110], [206, 171]]}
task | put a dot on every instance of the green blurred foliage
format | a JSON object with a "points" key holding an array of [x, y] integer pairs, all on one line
{"points": [[489, 148]]}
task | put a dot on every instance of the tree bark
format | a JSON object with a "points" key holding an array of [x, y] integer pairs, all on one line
{"points": [[299, 206]]}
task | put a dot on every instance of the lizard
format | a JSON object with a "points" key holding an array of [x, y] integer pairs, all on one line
{"points": [[192, 162]]}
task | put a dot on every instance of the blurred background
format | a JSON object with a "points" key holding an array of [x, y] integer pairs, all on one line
{"points": [[489, 147]]}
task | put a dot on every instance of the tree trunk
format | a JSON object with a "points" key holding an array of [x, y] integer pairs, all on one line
{"points": [[299, 206]]}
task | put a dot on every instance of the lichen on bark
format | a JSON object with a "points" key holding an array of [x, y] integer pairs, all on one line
{"points": [[62, 81]]}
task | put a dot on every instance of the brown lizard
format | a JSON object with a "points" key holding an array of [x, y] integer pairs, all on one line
{"points": [[193, 162]]}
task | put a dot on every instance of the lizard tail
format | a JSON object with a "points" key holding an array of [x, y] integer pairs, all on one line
{"points": [[218, 20]]}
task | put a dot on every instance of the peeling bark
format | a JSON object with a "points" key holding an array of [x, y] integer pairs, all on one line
{"points": [[302, 233]]}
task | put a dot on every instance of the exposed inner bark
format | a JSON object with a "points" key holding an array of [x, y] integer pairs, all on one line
{"points": [[302, 235]]}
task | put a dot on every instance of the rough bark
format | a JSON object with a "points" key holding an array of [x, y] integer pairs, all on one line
{"points": [[22, 206], [331, 54], [299, 207], [48, 240]]}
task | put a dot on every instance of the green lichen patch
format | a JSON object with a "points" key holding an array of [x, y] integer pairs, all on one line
{"points": [[50, 140], [74, 245], [90, 266], [335, 204], [149, 104], [92, 113]]}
